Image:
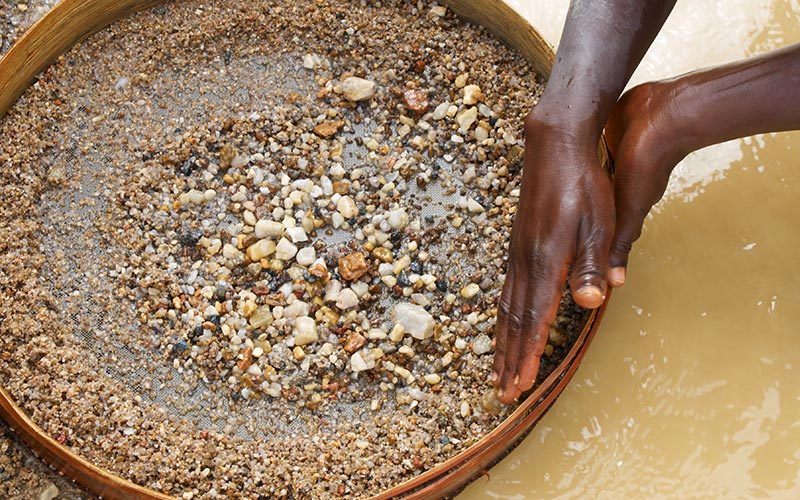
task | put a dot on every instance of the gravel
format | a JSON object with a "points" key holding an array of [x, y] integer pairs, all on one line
{"points": [[264, 275]]}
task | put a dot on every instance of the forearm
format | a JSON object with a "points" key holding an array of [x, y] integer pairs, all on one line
{"points": [[756, 95], [602, 44]]}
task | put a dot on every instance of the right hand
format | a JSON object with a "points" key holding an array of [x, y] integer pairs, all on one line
{"points": [[565, 218]]}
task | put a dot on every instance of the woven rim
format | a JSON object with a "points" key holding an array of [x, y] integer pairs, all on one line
{"points": [[72, 20]]}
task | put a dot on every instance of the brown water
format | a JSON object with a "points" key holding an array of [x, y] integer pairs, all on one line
{"points": [[691, 388]]}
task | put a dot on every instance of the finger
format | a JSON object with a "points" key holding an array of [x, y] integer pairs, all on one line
{"points": [[630, 214], [588, 280], [501, 329], [543, 298], [507, 390]]}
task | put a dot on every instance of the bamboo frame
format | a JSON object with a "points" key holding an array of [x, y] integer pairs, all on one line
{"points": [[69, 22]]}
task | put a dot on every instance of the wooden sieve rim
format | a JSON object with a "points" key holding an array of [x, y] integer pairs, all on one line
{"points": [[69, 22]]}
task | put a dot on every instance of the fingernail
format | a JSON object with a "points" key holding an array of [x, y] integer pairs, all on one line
{"points": [[516, 380], [495, 376], [617, 276], [591, 292], [500, 393]]}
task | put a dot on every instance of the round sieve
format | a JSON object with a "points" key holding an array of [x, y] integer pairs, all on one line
{"points": [[91, 161]]}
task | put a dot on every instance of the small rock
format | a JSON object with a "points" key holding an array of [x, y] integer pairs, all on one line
{"points": [[347, 299], [474, 207], [354, 342], [353, 266], [415, 320], [285, 250], [346, 207], [328, 129], [466, 118], [441, 111], [433, 378], [305, 331], [416, 101], [358, 364], [397, 219], [357, 89], [306, 256], [268, 229], [470, 291], [481, 345], [262, 317], [297, 234], [472, 95], [49, 492], [260, 249]]}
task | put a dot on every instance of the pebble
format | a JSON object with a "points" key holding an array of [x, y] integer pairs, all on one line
{"points": [[346, 207], [260, 249], [467, 118], [269, 229], [297, 234], [49, 492], [415, 320], [347, 299], [397, 219], [230, 252], [328, 128], [440, 112], [470, 291], [433, 378], [306, 256], [482, 344], [474, 207], [285, 249], [305, 331], [357, 89], [357, 363], [352, 266], [472, 95], [416, 101]]}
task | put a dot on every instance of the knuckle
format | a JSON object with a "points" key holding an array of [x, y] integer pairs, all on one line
{"points": [[515, 322], [622, 246]]}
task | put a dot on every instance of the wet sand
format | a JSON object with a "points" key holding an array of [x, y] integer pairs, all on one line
{"points": [[690, 388]]}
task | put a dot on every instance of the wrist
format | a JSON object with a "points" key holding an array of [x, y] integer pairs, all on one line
{"points": [[567, 118]]}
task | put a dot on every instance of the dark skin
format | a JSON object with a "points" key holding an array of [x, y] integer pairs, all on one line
{"points": [[574, 223]]}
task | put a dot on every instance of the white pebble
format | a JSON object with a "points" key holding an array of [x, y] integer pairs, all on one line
{"points": [[346, 207], [306, 256], [285, 249], [305, 331], [357, 89], [296, 234], [415, 320], [347, 299], [268, 229]]}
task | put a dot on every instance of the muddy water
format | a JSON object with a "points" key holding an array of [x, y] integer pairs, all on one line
{"points": [[692, 388]]}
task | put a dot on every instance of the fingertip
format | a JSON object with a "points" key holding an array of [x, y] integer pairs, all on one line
{"points": [[589, 297], [616, 276]]}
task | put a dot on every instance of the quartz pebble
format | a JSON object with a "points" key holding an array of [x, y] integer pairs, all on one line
{"points": [[285, 249], [472, 95], [357, 89], [470, 291], [415, 320], [268, 229], [305, 331], [482, 344], [306, 256]]}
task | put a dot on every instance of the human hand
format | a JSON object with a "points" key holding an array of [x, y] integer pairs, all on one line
{"points": [[565, 218]]}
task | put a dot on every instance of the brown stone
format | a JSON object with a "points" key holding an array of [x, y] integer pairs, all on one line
{"points": [[354, 342], [353, 266], [328, 129], [246, 360], [416, 101]]}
